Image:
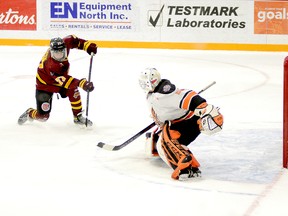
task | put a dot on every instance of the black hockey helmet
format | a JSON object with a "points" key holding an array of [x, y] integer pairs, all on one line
{"points": [[58, 49], [57, 44]]}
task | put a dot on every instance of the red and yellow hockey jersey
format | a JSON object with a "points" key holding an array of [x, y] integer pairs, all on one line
{"points": [[53, 75]]}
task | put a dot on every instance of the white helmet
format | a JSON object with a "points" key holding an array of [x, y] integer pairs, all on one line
{"points": [[149, 79]]}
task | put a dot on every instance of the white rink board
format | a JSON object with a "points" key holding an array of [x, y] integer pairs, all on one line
{"points": [[193, 21]]}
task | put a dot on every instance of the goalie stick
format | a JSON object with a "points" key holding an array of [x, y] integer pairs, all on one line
{"points": [[115, 148]]}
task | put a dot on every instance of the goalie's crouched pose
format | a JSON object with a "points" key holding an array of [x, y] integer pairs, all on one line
{"points": [[181, 115]]}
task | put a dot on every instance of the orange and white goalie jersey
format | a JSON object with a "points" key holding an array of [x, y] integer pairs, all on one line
{"points": [[170, 103]]}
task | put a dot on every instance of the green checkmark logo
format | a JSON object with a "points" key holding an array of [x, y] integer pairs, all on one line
{"points": [[154, 21]]}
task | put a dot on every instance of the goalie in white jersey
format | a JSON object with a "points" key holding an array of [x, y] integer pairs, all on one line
{"points": [[182, 115]]}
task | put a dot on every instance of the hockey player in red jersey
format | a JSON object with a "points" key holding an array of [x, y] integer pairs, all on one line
{"points": [[181, 116], [53, 77]]}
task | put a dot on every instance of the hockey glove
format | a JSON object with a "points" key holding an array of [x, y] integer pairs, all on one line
{"points": [[91, 48], [85, 85], [63, 92], [211, 120], [150, 143]]}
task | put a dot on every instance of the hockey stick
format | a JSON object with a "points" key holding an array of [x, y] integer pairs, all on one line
{"points": [[204, 89], [89, 79], [115, 148]]}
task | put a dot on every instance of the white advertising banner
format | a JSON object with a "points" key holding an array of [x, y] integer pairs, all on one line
{"points": [[89, 15], [202, 21], [187, 21]]}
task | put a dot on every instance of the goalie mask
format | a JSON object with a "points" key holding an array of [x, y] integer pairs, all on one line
{"points": [[149, 79], [58, 49]]}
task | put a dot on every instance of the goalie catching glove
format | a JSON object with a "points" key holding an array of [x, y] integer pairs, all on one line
{"points": [[211, 120]]}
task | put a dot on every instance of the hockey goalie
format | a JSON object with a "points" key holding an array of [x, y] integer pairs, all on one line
{"points": [[181, 116]]}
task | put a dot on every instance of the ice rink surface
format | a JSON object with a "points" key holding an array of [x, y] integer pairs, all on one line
{"points": [[55, 168]]}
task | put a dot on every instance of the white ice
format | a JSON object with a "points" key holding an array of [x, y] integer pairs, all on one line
{"points": [[55, 168]]}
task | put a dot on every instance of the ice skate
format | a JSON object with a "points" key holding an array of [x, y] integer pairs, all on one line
{"points": [[191, 172], [24, 117], [80, 120]]}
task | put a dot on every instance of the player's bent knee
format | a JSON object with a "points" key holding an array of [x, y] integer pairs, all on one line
{"points": [[43, 117]]}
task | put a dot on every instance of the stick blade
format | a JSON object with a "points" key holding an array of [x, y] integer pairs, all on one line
{"points": [[106, 146], [131, 139]]}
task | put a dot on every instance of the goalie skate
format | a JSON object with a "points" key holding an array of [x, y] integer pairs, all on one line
{"points": [[191, 172]]}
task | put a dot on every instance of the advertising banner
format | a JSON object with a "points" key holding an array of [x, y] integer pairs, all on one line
{"points": [[201, 20], [271, 17], [174, 21], [194, 23], [18, 15], [89, 15]]}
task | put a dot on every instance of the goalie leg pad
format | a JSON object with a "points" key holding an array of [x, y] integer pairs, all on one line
{"points": [[177, 156]]}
